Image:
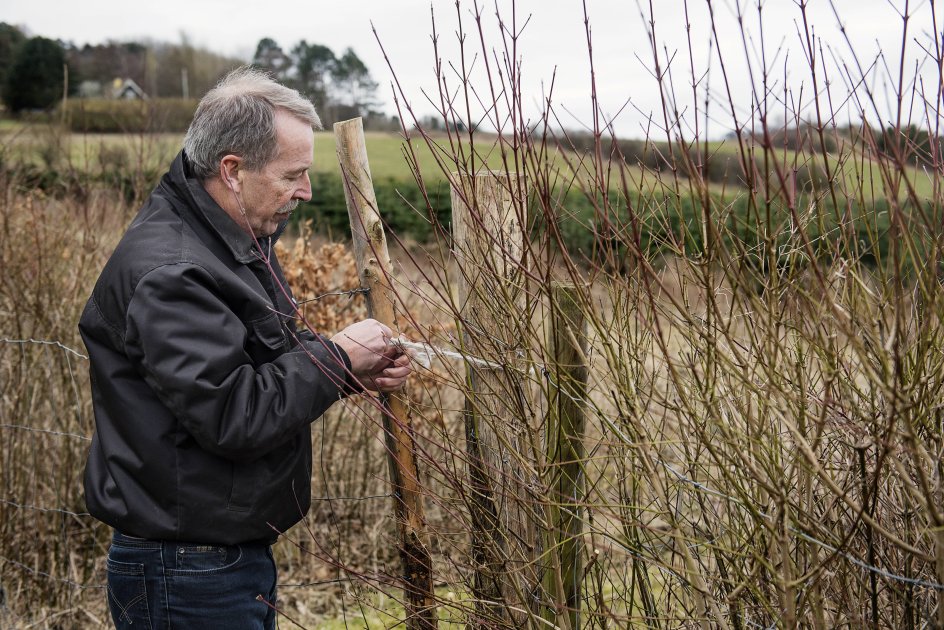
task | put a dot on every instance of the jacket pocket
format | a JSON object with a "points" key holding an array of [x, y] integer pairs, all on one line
{"points": [[243, 492], [266, 338]]}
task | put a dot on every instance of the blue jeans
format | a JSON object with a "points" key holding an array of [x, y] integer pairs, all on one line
{"points": [[162, 585]]}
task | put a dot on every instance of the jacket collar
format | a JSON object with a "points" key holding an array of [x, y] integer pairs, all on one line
{"points": [[230, 233]]}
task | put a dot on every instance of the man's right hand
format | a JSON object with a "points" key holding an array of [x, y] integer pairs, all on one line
{"points": [[376, 363]]}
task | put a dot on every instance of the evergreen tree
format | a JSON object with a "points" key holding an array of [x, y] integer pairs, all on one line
{"points": [[353, 85], [34, 80], [314, 65], [10, 38], [339, 87], [270, 57]]}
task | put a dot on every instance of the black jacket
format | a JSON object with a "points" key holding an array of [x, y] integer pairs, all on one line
{"points": [[202, 390]]}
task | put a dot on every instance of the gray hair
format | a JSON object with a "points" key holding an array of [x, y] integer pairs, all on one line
{"points": [[238, 117]]}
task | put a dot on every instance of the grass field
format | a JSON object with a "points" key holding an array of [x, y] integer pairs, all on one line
{"points": [[860, 174], [43, 145], [391, 157], [667, 207]]}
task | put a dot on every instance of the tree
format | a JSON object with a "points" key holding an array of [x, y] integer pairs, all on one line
{"points": [[270, 57], [35, 77], [314, 65], [104, 62], [10, 38], [353, 85], [166, 63], [339, 87]]}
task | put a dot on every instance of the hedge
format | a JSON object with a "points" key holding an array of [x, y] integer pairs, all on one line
{"points": [[664, 224], [130, 116], [590, 229]]}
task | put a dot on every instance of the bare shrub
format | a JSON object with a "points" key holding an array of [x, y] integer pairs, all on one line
{"points": [[764, 437], [51, 251]]}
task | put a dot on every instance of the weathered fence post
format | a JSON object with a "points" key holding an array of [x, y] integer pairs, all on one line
{"points": [[374, 271], [488, 243], [564, 432]]}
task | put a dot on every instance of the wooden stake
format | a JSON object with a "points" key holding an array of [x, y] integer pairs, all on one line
{"points": [[566, 419], [65, 95], [374, 271], [489, 246]]}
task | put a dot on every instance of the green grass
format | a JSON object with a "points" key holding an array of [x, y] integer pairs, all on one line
{"points": [[43, 146], [391, 157], [37, 144], [7, 125], [34, 144], [858, 177]]}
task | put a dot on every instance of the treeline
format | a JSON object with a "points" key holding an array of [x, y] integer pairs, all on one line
{"points": [[33, 70], [340, 86], [161, 69], [36, 73]]}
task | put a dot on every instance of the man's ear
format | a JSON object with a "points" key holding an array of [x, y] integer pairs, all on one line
{"points": [[231, 172]]}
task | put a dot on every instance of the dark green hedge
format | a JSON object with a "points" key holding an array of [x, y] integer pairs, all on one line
{"points": [[601, 233], [401, 203]]}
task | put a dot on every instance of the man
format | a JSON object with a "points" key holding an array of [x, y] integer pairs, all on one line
{"points": [[202, 387]]}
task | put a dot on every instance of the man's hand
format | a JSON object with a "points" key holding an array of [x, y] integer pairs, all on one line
{"points": [[376, 362]]}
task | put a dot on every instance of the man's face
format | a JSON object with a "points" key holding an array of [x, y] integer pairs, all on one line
{"points": [[271, 193]]}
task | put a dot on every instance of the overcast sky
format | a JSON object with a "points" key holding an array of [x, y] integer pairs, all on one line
{"points": [[553, 40]]}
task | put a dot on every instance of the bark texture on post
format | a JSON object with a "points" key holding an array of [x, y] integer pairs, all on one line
{"points": [[488, 241], [374, 271], [564, 433]]}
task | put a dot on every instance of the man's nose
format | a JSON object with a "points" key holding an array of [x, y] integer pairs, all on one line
{"points": [[304, 192]]}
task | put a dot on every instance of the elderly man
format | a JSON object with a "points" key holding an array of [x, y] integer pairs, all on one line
{"points": [[203, 389]]}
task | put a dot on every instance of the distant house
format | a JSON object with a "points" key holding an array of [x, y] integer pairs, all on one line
{"points": [[127, 89], [119, 88], [90, 89]]}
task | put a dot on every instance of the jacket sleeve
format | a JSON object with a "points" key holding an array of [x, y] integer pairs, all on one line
{"points": [[190, 348], [352, 385]]}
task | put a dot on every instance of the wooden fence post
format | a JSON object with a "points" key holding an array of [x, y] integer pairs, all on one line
{"points": [[564, 433], [374, 271], [488, 245]]}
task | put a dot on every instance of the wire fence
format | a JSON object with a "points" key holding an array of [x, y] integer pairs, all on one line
{"points": [[693, 485], [28, 565]]}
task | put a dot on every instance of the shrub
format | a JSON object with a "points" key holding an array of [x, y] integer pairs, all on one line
{"points": [[402, 202]]}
